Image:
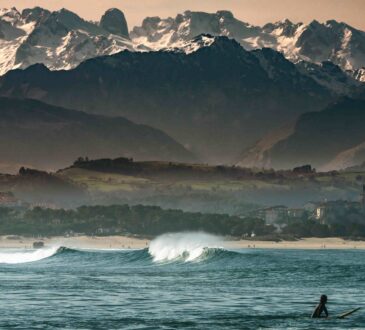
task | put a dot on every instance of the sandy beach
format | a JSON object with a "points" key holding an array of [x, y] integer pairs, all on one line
{"points": [[122, 242], [312, 243]]}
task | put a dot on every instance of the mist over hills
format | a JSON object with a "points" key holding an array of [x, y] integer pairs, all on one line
{"points": [[190, 97], [46, 136]]}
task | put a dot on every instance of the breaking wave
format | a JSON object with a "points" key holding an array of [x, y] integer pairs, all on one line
{"points": [[11, 257]]}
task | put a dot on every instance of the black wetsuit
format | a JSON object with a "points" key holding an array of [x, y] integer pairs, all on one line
{"points": [[319, 310]]}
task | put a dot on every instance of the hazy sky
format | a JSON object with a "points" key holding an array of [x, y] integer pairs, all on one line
{"points": [[252, 11]]}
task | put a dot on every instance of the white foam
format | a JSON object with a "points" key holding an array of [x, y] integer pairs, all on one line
{"points": [[11, 257], [186, 246]]}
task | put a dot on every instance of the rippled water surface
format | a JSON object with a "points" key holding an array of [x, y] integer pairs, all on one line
{"points": [[166, 288]]}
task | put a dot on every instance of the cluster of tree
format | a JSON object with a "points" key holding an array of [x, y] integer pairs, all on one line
{"points": [[129, 166], [124, 219], [152, 220]]}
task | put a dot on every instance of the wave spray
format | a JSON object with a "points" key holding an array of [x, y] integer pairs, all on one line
{"points": [[184, 246]]}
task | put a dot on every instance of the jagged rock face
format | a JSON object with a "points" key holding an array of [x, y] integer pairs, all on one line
{"points": [[36, 14], [114, 22], [333, 41]]}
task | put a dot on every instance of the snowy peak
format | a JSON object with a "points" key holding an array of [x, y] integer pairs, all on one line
{"points": [[158, 33], [11, 15], [114, 22], [282, 28], [191, 46]]}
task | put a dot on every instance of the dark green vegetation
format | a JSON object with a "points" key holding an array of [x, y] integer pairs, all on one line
{"points": [[312, 228], [123, 219], [149, 221], [214, 110], [223, 200], [49, 137]]}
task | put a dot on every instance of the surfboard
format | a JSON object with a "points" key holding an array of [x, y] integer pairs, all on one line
{"points": [[343, 315]]}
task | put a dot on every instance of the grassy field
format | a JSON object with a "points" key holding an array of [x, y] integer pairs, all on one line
{"points": [[104, 182]]}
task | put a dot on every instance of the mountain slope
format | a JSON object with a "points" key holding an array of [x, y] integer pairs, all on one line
{"points": [[190, 97], [314, 42], [351, 157], [46, 136], [330, 139]]}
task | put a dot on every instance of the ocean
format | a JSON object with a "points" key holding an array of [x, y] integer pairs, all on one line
{"points": [[182, 281]]}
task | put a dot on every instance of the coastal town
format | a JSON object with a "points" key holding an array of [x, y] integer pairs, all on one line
{"points": [[341, 218], [324, 212]]}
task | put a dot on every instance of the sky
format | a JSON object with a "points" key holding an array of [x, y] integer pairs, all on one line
{"points": [[257, 12]]}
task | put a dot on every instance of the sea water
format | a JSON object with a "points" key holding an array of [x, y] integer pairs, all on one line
{"points": [[182, 281]]}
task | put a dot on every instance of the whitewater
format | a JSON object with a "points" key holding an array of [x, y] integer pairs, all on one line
{"points": [[183, 280]]}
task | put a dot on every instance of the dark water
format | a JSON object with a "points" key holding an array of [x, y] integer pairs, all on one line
{"points": [[218, 289]]}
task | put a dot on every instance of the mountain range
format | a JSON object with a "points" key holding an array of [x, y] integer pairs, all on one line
{"points": [[62, 39], [188, 96], [45, 136], [200, 86]]}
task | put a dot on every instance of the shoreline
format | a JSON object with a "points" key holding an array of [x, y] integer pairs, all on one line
{"points": [[123, 242]]}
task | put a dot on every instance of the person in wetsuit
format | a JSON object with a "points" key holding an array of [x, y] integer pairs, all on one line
{"points": [[321, 308]]}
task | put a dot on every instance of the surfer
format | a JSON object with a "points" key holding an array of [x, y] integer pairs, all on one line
{"points": [[321, 307]]}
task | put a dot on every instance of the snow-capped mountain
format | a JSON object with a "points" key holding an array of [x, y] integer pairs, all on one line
{"points": [[60, 40], [313, 42]]}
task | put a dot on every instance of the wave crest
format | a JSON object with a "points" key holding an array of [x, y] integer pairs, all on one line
{"points": [[11, 257], [183, 246]]}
